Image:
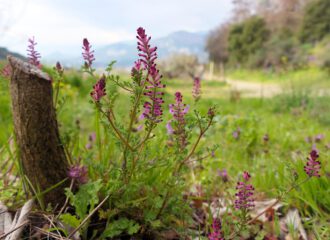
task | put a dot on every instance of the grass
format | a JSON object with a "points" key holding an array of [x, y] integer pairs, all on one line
{"points": [[288, 120], [305, 76]]}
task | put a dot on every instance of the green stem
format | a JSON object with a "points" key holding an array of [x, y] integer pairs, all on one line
{"points": [[57, 92], [133, 117], [118, 134], [177, 170], [98, 135]]}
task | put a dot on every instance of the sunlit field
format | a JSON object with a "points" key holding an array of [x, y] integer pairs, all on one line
{"points": [[176, 120]]}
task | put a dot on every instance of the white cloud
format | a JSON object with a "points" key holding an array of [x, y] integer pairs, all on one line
{"points": [[60, 25], [55, 30]]}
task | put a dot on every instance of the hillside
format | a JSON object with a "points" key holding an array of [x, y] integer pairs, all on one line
{"points": [[4, 52], [125, 53]]}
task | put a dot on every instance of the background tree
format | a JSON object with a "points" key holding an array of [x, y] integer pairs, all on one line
{"points": [[180, 65], [316, 22], [246, 38], [217, 44], [242, 9]]}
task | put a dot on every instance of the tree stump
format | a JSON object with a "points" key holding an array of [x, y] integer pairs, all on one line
{"points": [[41, 153]]}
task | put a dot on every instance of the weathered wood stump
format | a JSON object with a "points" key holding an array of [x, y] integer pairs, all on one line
{"points": [[41, 152]]}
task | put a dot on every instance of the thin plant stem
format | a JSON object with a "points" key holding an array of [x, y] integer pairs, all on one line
{"points": [[130, 126], [177, 170], [98, 135], [119, 135]]}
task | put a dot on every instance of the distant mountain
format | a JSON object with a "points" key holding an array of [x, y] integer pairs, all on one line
{"points": [[125, 53], [4, 52]]}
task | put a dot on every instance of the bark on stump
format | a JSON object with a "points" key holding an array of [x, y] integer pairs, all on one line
{"points": [[41, 152]]}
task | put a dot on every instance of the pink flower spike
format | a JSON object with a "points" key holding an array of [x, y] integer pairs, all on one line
{"points": [[178, 111], [153, 106], [87, 54], [137, 68], [148, 55], [33, 55], [246, 176], [78, 173], [216, 233], [244, 196], [6, 71], [169, 128], [99, 89], [197, 88], [312, 167]]}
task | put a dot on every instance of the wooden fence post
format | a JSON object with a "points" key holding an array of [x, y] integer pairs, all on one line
{"points": [[41, 152]]}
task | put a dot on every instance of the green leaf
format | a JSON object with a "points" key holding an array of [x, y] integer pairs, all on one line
{"points": [[70, 220], [121, 225], [133, 228], [156, 223], [86, 196]]}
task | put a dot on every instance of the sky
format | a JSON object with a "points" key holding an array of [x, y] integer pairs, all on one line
{"points": [[60, 25]]}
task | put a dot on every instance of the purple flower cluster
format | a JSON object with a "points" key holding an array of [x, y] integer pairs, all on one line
{"points": [[265, 138], [244, 199], [237, 133], [87, 54], [319, 137], [59, 68], [33, 55], [91, 140], [152, 108], [99, 89], [78, 173], [313, 166], [223, 174], [196, 92], [136, 69], [316, 139], [216, 233], [6, 71], [178, 110], [147, 53]]}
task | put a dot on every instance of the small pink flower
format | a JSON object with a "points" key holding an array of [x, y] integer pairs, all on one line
{"points": [[313, 166], [33, 55], [153, 107], [99, 90], [6, 71], [87, 54], [266, 138], [224, 175], [244, 196], [216, 233], [246, 176], [179, 110], [136, 69], [92, 137], [197, 88], [211, 112], [91, 140], [59, 68], [78, 173], [237, 133], [319, 137], [148, 54], [88, 146], [169, 128]]}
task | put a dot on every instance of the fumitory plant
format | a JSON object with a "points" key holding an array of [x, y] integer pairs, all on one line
{"points": [[135, 181]]}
